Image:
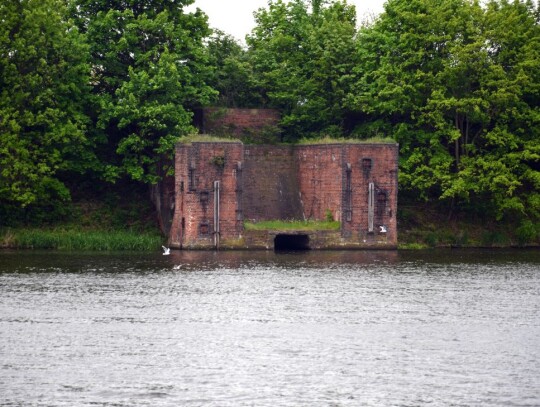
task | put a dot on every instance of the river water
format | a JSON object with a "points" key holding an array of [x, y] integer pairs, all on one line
{"points": [[438, 328]]}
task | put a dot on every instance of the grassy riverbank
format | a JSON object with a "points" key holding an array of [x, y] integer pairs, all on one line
{"points": [[101, 218], [71, 239], [422, 226], [125, 220], [453, 234]]}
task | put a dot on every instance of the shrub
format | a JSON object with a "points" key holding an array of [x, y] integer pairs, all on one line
{"points": [[527, 232], [494, 238], [431, 239]]}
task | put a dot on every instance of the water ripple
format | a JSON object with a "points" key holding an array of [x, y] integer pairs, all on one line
{"points": [[264, 329]]}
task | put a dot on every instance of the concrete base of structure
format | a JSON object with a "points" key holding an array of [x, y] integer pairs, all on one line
{"points": [[293, 240]]}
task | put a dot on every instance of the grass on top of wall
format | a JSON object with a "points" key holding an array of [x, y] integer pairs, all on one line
{"points": [[311, 225], [206, 138], [331, 140], [69, 239]]}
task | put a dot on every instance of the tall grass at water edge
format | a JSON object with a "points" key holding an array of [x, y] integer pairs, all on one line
{"points": [[79, 240]]}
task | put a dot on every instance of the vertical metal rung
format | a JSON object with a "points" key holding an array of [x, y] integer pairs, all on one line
{"points": [[371, 206], [216, 214], [348, 194]]}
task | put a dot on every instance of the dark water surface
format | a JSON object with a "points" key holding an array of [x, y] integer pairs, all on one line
{"points": [[439, 328]]}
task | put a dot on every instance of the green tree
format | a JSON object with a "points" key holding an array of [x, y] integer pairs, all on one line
{"points": [[150, 70], [303, 55], [44, 75], [457, 85], [233, 75]]}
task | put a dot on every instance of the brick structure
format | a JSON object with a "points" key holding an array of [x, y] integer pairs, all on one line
{"points": [[270, 185], [221, 184], [237, 122]]}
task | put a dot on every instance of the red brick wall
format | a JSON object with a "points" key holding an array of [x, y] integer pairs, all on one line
{"points": [[285, 182], [270, 183], [237, 121], [383, 174], [177, 230], [196, 171], [320, 180]]}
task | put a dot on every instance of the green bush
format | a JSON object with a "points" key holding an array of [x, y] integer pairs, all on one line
{"points": [[431, 239], [495, 238], [462, 238], [328, 215], [528, 232]]}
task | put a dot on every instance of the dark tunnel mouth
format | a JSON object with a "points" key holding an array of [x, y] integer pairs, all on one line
{"points": [[288, 242]]}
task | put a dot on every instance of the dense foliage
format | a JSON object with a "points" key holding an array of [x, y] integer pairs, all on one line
{"points": [[44, 77], [105, 88], [149, 70], [457, 86], [455, 83], [303, 54], [233, 76]]}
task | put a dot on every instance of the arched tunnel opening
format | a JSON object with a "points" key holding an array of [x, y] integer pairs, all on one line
{"points": [[291, 242]]}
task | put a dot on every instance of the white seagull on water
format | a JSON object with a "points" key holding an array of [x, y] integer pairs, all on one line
{"points": [[166, 251]]}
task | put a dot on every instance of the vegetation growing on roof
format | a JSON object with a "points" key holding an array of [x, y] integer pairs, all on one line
{"points": [[332, 140], [206, 138]]}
